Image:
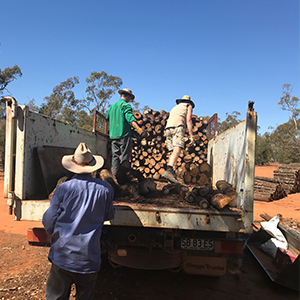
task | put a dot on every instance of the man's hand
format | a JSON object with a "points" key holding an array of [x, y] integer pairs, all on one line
{"points": [[192, 142], [143, 133]]}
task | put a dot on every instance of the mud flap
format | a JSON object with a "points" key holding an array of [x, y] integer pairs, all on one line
{"points": [[37, 236]]}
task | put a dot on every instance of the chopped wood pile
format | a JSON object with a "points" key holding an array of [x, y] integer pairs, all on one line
{"points": [[151, 192], [286, 181], [150, 155], [285, 175], [206, 196], [264, 187], [296, 187], [131, 189], [279, 193]]}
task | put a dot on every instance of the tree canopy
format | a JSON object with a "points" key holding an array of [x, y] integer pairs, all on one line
{"points": [[230, 121], [281, 145], [101, 87], [6, 77], [288, 102]]}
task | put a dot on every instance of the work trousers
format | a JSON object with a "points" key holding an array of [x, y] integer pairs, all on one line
{"points": [[58, 286], [120, 147]]}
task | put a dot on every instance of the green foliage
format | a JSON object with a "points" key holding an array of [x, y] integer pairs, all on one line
{"points": [[290, 103], [2, 109], [263, 150], [285, 143], [64, 106], [100, 90], [61, 104], [8, 75], [32, 107], [85, 120], [230, 121]]}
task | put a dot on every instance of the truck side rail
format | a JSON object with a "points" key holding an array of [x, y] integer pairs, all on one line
{"points": [[232, 157]]}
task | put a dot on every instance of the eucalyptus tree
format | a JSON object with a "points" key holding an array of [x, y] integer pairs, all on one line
{"points": [[101, 88], [62, 104], [230, 121], [290, 103], [6, 77]]}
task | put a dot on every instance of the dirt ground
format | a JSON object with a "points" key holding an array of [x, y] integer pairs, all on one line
{"points": [[24, 268]]}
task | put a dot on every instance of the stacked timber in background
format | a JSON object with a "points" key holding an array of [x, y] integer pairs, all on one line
{"points": [[286, 180], [150, 155], [286, 174], [296, 187], [264, 187]]}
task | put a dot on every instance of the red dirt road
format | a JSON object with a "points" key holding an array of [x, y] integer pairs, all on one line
{"points": [[288, 207], [7, 223]]}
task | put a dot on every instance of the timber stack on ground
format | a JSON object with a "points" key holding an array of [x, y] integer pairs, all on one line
{"points": [[286, 175], [286, 180], [296, 187], [264, 187], [150, 155]]}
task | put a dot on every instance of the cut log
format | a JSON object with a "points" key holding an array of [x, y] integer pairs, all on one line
{"points": [[279, 193], [220, 200], [108, 177], [187, 178], [205, 168], [204, 191], [147, 186], [203, 179], [202, 202], [190, 197], [137, 115]]}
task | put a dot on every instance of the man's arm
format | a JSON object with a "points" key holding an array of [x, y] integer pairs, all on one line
{"points": [[110, 210], [131, 120], [52, 213], [189, 122]]}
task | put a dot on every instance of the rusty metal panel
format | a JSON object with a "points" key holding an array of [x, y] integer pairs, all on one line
{"points": [[232, 157], [192, 219], [226, 155], [31, 210], [34, 130]]}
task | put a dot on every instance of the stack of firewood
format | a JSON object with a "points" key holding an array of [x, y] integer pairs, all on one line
{"points": [[285, 175], [150, 155], [264, 187], [206, 196], [278, 194], [296, 187]]}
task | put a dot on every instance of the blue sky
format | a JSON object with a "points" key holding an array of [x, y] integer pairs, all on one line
{"points": [[222, 53]]}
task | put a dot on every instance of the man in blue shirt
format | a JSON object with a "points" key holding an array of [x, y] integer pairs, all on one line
{"points": [[75, 218]]}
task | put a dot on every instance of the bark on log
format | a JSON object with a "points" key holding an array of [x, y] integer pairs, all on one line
{"points": [[220, 200], [202, 202], [147, 186], [190, 197], [108, 177]]}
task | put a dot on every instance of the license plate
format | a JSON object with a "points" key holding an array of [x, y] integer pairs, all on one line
{"points": [[197, 244]]}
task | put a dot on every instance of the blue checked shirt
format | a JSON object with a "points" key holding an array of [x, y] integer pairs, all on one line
{"points": [[75, 218]]}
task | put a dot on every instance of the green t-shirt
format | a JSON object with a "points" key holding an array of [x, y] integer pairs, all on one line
{"points": [[120, 117]]}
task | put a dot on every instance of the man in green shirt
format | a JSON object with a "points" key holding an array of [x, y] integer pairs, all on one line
{"points": [[121, 123]]}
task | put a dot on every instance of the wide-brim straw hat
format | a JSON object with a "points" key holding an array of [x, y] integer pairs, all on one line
{"points": [[82, 161], [186, 99], [127, 91]]}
